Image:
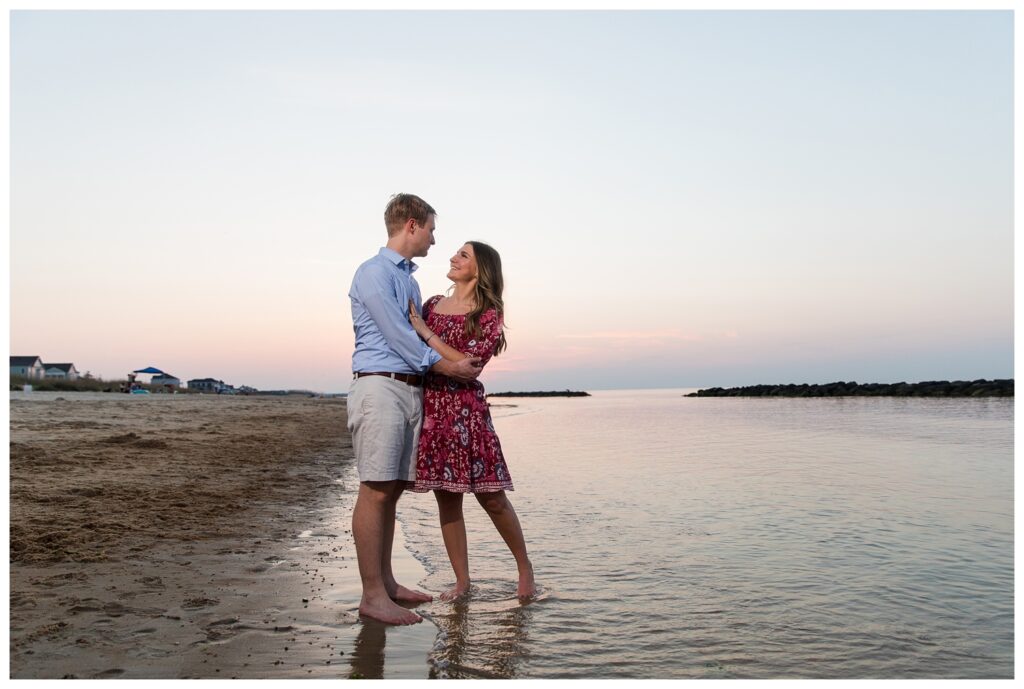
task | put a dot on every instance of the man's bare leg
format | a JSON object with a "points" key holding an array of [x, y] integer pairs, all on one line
{"points": [[374, 504], [395, 590], [505, 520], [453, 530]]}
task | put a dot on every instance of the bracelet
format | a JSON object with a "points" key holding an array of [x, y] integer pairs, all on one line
{"points": [[428, 339]]}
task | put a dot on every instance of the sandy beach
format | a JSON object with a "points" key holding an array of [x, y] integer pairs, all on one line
{"points": [[191, 536]]}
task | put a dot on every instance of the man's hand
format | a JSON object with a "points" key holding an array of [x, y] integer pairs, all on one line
{"points": [[464, 371]]}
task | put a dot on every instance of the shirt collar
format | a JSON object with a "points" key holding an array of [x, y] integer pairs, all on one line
{"points": [[397, 259]]}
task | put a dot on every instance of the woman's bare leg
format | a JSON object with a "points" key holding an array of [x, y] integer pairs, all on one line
{"points": [[507, 523], [453, 530]]}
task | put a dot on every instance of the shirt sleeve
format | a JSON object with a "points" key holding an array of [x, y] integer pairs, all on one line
{"points": [[376, 292], [483, 344]]}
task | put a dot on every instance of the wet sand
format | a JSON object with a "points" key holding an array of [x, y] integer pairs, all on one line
{"points": [[191, 537]]}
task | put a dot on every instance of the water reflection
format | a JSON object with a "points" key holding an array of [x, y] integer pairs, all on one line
{"points": [[743, 539], [482, 635], [368, 655]]}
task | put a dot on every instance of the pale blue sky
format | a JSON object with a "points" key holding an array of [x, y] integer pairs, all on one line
{"points": [[680, 198]]}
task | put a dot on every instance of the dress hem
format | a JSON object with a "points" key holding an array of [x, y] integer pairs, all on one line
{"points": [[426, 486]]}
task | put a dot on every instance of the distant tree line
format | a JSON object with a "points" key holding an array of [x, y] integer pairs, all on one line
{"points": [[937, 388]]}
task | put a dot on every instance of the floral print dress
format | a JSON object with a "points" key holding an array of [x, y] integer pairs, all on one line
{"points": [[459, 450]]}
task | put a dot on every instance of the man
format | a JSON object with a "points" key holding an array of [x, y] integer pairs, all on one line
{"points": [[385, 402]]}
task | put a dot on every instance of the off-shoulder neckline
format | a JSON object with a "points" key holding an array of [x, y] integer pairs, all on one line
{"points": [[438, 297]]}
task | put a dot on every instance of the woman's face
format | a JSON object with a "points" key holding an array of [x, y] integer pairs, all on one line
{"points": [[463, 265]]}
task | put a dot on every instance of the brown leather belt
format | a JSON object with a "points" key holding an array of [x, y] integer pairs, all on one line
{"points": [[407, 378]]}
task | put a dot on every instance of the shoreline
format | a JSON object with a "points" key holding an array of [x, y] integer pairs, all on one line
{"points": [[142, 549]]}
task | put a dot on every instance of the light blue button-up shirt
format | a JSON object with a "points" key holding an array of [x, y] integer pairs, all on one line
{"points": [[380, 294]]}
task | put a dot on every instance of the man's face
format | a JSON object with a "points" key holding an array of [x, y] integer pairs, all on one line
{"points": [[423, 236]]}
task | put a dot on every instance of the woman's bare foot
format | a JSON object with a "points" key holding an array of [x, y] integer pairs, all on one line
{"points": [[387, 611], [455, 592], [401, 593], [527, 587]]}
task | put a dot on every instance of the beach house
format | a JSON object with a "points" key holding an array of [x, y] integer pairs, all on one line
{"points": [[166, 379], [206, 384], [30, 367], [60, 371]]}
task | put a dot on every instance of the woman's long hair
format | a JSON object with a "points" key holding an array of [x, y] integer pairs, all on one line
{"points": [[489, 286]]}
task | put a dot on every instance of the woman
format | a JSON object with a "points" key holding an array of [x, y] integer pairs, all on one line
{"points": [[459, 451]]}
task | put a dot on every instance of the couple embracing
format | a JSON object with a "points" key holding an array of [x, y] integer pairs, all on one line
{"points": [[418, 416]]}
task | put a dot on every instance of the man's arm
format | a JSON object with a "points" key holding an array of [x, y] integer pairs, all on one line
{"points": [[464, 370], [375, 291]]}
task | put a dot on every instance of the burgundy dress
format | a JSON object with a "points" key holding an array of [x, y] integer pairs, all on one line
{"points": [[459, 450]]}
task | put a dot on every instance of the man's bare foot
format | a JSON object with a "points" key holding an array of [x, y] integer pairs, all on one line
{"points": [[455, 592], [387, 611], [527, 587], [399, 592]]}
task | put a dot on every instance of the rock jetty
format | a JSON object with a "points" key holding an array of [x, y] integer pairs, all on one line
{"points": [[937, 388]]}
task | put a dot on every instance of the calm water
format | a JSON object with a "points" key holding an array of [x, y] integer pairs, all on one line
{"points": [[740, 538]]}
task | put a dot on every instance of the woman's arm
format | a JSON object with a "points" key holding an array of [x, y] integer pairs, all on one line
{"points": [[428, 335]]}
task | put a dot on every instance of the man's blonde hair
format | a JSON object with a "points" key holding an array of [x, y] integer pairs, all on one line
{"points": [[401, 208]]}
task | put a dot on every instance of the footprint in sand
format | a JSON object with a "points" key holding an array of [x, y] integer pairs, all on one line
{"points": [[151, 582], [122, 439], [221, 629], [61, 579], [21, 600], [88, 605]]}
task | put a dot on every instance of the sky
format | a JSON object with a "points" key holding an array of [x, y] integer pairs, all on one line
{"points": [[680, 198]]}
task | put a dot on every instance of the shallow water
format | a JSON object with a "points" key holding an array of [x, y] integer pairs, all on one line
{"points": [[740, 538]]}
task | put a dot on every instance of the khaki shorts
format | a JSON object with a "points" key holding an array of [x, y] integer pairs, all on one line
{"points": [[384, 417]]}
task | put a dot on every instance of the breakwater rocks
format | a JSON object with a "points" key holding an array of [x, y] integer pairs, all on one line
{"points": [[550, 393], [939, 388]]}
